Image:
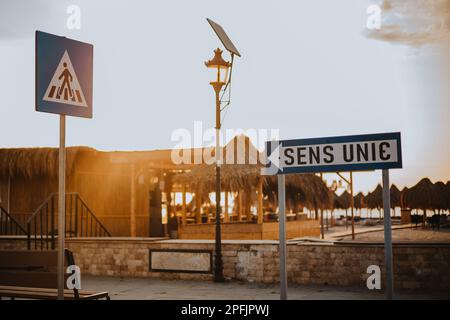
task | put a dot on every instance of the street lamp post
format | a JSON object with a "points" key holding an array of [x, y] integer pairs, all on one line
{"points": [[221, 66]]}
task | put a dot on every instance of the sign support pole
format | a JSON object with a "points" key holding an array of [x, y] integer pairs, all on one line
{"points": [[61, 204], [352, 203], [282, 235], [388, 256]]}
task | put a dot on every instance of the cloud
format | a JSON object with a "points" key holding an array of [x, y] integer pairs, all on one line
{"points": [[413, 22]]}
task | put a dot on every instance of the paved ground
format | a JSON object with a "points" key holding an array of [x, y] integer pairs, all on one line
{"points": [[411, 234], [154, 289], [338, 232]]}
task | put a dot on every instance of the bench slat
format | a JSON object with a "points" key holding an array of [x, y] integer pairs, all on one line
{"points": [[32, 275], [45, 293], [31, 279], [20, 258]]}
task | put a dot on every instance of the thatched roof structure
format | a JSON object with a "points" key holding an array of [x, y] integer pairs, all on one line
{"points": [[420, 196], [440, 197], [232, 177], [240, 169], [402, 198], [359, 201], [33, 162], [346, 199], [374, 199], [395, 195], [447, 192], [307, 189], [337, 202]]}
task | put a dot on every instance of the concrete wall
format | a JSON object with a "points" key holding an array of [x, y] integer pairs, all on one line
{"points": [[416, 266]]}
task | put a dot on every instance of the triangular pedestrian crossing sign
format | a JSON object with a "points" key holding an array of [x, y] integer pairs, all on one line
{"points": [[64, 86]]}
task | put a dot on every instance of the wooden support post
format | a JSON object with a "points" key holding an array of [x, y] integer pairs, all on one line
{"points": [[260, 202], [183, 206], [198, 204], [226, 213], [133, 203], [322, 232], [352, 205], [239, 206]]}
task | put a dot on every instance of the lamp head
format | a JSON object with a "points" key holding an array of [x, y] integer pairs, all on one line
{"points": [[220, 67], [217, 61]]}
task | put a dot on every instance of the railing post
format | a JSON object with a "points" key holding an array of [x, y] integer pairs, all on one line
{"points": [[52, 221], [76, 215], [28, 235]]}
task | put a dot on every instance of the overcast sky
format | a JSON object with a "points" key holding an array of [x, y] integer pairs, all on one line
{"points": [[308, 68]]}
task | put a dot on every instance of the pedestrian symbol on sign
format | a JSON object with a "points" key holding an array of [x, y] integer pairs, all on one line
{"points": [[64, 86]]}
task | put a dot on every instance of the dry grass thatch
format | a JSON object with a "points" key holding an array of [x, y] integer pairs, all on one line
{"points": [[232, 177], [309, 190], [420, 196], [346, 199], [305, 189], [33, 162], [395, 195], [374, 199], [359, 201]]}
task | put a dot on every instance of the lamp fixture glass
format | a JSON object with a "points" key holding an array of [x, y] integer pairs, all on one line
{"points": [[220, 66]]}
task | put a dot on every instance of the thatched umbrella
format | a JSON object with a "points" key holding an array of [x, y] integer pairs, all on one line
{"points": [[337, 202], [395, 197], [359, 202], [420, 196], [439, 200], [305, 189], [374, 199], [346, 199], [447, 185], [403, 204]]}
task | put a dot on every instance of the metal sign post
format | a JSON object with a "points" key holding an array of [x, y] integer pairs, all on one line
{"points": [[61, 204], [388, 256], [332, 154], [63, 86], [282, 235]]}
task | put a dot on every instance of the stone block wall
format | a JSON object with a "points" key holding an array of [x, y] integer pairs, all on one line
{"points": [[416, 266]]}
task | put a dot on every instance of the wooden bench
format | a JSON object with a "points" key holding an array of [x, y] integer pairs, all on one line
{"points": [[33, 275]]}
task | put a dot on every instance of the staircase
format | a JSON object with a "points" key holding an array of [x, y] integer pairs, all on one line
{"points": [[41, 228]]}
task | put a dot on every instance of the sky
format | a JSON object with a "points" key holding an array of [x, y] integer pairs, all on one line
{"points": [[308, 68]]}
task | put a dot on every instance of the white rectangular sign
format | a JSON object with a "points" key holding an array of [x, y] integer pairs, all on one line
{"points": [[346, 153]]}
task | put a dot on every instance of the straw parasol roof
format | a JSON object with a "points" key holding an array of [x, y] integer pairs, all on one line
{"points": [[440, 199], [447, 192], [232, 177], [32, 162], [309, 189], [402, 198], [337, 202], [359, 201], [374, 199], [420, 196], [346, 199], [395, 196]]}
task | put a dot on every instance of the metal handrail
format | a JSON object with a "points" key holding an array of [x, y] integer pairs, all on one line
{"points": [[93, 215], [79, 221], [41, 206], [14, 223]]}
